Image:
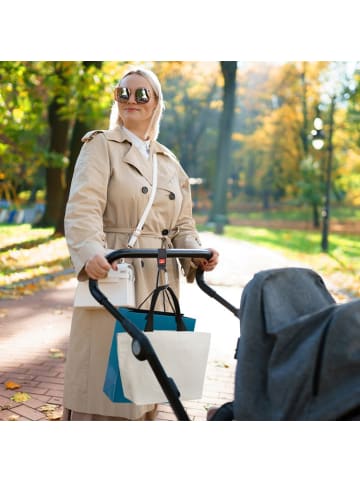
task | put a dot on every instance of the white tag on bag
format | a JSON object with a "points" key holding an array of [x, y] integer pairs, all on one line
{"points": [[118, 287]]}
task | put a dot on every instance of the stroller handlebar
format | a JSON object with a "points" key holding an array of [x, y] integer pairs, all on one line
{"points": [[153, 253], [170, 253]]}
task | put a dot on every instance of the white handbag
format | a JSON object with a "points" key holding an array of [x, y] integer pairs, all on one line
{"points": [[118, 286]]}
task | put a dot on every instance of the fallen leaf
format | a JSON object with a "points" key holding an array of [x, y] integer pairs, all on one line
{"points": [[222, 364], [13, 418], [54, 415], [53, 412], [10, 385], [7, 406], [20, 397], [48, 407], [56, 353]]}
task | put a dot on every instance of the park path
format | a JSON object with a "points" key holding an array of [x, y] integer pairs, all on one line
{"points": [[34, 333]]}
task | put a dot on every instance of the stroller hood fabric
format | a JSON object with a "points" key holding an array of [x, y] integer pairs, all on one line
{"points": [[298, 355]]}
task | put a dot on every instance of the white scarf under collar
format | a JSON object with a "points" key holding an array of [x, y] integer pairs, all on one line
{"points": [[140, 144]]}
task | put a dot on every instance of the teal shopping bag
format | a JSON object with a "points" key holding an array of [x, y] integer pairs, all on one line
{"points": [[145, 320]]}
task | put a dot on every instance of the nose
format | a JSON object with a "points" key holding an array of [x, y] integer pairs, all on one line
{"points": [[132, 99]]}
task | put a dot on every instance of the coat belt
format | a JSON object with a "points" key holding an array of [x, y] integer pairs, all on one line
{"points": [[115, 229]]}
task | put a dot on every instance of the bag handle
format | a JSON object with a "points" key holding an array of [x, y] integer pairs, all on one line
{"points": [[180, 325]]}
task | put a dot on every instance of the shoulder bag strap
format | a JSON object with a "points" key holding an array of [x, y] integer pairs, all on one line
{"points": [[138, 228]]}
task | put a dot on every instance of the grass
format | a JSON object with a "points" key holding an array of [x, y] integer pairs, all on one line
{"points": [[298, 243], [341, 262], [291, 213]]}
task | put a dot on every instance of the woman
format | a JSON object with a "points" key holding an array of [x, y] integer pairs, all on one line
{"points": [[110, 189]]}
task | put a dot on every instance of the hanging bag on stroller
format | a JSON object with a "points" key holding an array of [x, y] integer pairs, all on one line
{"points": [[183, 352]]}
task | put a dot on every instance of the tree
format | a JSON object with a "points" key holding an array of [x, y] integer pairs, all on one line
{"points": [[59, 124], [23, 125], [81, 125], [190, 92], [89, 85], [219, 208]]}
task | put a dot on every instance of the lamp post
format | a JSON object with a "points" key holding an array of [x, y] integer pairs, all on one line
{"points": [[318, 143]]}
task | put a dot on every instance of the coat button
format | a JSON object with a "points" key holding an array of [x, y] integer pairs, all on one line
{"points": [[172, 196], [165, 232], [144, 189]]}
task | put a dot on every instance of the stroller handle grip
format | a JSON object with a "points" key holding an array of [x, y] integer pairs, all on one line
{"points": [[153, 253]]}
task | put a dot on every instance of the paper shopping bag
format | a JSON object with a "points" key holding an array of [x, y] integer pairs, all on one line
{"points": [[162, 321], [183, 355]]}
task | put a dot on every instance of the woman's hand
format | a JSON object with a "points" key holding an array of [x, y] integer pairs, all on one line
{"points": [[208, 264], [98, 267]]}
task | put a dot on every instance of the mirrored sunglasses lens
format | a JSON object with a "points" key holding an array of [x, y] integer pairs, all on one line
{"points": [[141, 96], [123, 94]]}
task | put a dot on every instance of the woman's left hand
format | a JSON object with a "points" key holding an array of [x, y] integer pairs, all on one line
{"points": [[208, 264]]}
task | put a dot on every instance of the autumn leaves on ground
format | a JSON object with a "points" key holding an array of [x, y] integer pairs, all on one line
{"points": [[31, 259], [51, 411]]}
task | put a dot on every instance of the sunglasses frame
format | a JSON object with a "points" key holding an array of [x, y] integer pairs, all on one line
{"points": [[139, 92]]}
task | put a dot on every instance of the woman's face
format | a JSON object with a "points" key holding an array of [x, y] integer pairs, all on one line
{"points": [[133, 114]]}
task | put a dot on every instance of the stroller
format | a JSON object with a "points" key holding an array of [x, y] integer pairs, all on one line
{"points": [[298, 356]]}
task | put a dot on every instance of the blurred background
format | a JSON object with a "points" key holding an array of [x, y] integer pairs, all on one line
{"points": [[243, 131]]}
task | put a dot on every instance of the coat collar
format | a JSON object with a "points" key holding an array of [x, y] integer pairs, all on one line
{"points": [[118, 134], [133, 156]]}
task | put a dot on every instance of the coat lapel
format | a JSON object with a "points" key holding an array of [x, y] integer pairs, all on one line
{"points": [[134, 158]]}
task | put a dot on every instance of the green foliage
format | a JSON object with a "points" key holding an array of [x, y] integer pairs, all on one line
{"points": [[310, 183], [22, 120], [189, 125], [275, 107], [26, 91]]}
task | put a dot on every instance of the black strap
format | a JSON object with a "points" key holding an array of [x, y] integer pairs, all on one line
{"points": [[180, 325]]}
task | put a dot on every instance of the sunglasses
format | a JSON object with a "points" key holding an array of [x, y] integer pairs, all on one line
{"points": [[142, 95]]}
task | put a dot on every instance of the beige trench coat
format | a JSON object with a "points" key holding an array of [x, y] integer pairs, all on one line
{"points": [[109, 191]]}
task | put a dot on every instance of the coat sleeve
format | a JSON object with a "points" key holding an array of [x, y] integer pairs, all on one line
{"points": [[86, 204], [187, 236]]}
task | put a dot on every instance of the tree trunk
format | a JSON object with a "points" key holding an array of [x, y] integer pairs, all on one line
{"points": [[55, 175], [304, 134], [316, 217], [80, 128], [219, 208]]}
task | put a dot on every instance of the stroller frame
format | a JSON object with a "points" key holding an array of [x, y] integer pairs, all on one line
{"points": [[141, 346]]}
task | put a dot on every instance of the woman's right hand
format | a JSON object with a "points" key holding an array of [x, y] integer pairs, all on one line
{"points": [[98, 267]]}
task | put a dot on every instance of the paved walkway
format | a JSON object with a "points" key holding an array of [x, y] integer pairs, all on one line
{"points": [[34, 333]]}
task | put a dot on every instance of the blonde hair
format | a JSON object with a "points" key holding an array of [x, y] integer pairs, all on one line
{"points": [[154, 125]]}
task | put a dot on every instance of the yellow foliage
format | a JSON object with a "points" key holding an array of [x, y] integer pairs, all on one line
{"points": [[18, 115], [20, 397]]}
